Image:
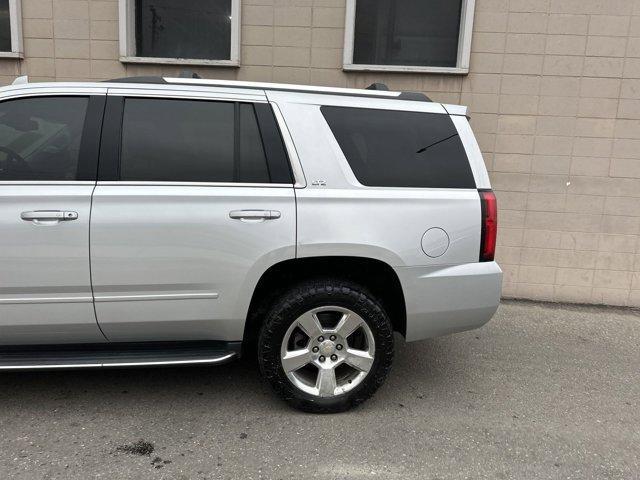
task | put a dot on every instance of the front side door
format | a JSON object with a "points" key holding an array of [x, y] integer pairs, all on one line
{"points": [[48, 159], [194, 202]]}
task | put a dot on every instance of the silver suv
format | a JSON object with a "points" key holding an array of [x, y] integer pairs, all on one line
{"points": [[173, 221]]}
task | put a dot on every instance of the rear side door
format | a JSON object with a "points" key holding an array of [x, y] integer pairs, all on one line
{"points": [[194, 202], [49, 141]]}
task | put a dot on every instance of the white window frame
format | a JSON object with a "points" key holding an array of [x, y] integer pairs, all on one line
{"points": [[127, 33], [464, 46], [15, 24]]}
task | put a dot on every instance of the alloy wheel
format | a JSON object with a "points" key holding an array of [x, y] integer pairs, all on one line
{"points": [[327, 351]]}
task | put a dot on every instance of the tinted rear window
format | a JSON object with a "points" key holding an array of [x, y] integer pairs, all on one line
{"points": [[388, 148]]}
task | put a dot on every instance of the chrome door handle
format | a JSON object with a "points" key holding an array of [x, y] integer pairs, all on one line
{"points": [[48, 216], [254, 214]]}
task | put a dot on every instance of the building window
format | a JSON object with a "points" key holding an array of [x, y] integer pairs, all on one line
{"points": [[408, 35], [188, 32], [10, 29]]}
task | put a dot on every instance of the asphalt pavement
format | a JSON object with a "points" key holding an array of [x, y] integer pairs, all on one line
{"points": [[543, 391]]}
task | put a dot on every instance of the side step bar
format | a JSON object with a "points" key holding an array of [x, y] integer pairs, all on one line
{"points": [[117, 355]]}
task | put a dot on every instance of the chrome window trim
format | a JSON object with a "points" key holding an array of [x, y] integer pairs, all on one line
{"points": [[51, 91], [294, 160], [191, 184]]}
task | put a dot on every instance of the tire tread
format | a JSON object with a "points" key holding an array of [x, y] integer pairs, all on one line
{"points": [[302, 297]]}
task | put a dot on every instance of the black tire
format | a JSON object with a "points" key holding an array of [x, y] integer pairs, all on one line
{"points": [[314, 294]]}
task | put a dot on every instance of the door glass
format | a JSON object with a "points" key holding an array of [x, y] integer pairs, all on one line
{"points": [[253, 165], [40, 137], [190, 141]]}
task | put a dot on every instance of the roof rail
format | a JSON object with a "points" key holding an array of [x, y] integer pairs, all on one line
{"points": [[380, 90], [143, 79]]}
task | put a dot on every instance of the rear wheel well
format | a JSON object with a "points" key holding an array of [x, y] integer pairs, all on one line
{"points": [[376, 276]]}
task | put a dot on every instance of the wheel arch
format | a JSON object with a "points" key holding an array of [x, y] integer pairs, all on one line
{"points": [[375, 275]]}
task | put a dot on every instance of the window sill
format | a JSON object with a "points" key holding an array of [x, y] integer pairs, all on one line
{"points": [[181, 61], [404, 69], [12, 55]]}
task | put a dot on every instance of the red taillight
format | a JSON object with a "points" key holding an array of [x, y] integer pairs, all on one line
{"points": [[489, 207]]}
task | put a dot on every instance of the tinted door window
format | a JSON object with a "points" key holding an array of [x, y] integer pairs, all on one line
{"points": [[390, 148], [40, 137], [191, 141]]}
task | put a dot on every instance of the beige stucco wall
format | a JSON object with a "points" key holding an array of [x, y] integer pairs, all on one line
{"points": [[554, 94]]}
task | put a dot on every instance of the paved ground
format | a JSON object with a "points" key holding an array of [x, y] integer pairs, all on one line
{"points": [[543, 391]]}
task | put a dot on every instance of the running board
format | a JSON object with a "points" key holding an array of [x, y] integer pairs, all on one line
{"points": [[117, 355]]}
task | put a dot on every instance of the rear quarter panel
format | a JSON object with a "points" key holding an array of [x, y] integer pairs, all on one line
{"points": [[339, 216], [388, 225]]}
